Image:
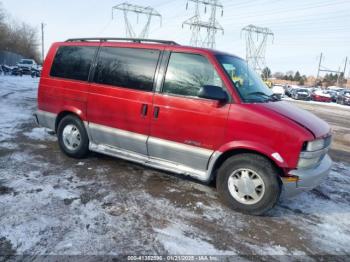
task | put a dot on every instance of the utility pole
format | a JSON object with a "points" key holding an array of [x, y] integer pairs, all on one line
{"points": [[256, 41], [338, 72], [319, 67], [127, 8], [42, 42], [346, 63], [211, 26]]}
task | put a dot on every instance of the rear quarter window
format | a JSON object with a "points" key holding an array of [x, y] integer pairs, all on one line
{"points": [[73, 62]]}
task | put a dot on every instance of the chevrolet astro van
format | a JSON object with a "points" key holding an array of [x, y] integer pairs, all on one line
{"points": [[192, 111]]}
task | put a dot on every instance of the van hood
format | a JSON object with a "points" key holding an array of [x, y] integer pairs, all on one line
{"points": [[315, 125]]}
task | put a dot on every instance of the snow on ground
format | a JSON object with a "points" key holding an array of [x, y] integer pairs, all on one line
{"points": [[14, 92], [51, 204], [176, 240], [40, 133], [325, 211]]}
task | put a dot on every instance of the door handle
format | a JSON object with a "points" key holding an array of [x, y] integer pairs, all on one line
{"points": [[156, 112], [144, 109]]}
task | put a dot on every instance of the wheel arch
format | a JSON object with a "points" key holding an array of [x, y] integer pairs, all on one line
{"points": [[241, 150], [65, 113]]}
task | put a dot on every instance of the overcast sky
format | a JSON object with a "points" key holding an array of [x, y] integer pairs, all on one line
{"points": [[303, 29]]}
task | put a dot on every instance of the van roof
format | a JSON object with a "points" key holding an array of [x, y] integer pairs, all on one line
{"points": [[144, 41]]}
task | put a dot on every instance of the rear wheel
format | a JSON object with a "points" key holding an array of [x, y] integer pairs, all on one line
{"points": [[72, 137], [248, 183]]}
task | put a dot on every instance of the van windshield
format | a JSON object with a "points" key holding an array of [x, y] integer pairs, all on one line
{"points": [[249, 85]]}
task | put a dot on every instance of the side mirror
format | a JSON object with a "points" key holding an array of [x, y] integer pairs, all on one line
{"points": [[213, 93]]}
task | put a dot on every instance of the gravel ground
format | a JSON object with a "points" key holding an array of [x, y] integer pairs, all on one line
{"points": [[53, 205]]}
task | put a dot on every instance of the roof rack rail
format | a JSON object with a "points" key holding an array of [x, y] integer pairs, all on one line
{"points": [[135, 40]]}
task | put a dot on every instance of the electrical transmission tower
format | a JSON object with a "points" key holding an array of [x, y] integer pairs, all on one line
{"points": [[211, 26], [256, 42], [127, 8]]}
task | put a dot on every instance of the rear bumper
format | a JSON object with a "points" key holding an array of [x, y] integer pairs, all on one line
{"points": [[45, 119], [308, 178]]}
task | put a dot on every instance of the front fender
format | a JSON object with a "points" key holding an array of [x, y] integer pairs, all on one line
{"points": [[257, 147]]}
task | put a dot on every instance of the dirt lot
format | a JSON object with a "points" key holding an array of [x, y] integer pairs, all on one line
{"points": [[53, 205]]}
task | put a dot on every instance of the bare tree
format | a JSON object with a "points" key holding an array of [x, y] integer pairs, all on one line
{"points": [[19, 38]]}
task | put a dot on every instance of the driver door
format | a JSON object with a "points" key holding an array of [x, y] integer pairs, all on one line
{"points": [[186, 129]]}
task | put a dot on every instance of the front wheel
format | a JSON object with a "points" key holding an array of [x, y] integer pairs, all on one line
{"points": [[248, 183], [72, 137]]}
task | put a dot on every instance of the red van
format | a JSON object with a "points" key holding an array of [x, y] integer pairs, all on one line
{"points": [[187, 110]]}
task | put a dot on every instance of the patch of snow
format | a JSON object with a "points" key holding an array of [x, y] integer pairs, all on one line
{"points": [[40, 133], [322, 93], [8, 145], [177, 241], [15, 92], [325, 211]]}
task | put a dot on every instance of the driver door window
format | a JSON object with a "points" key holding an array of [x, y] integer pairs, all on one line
{"points": [[187, 73]]}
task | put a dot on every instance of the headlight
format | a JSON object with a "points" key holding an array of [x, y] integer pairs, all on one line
{"points": [[315, 145], [313, 152]]}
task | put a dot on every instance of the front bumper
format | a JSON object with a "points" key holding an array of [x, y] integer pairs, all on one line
{"points": [[308, 178]]}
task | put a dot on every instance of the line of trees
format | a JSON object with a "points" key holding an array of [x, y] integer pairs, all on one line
{"points": [[19, 38], [327, 80], [333, 79], [290, 75]]}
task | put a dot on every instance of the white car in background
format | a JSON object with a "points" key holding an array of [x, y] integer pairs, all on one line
{"points": [[26, 65], [278, 90]]}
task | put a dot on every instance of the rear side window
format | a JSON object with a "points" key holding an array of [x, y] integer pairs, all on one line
{"points": [[73, 62], [126, 67]]}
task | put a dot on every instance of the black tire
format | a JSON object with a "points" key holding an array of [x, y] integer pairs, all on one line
{"points": [[264, 169], [83, 149]]}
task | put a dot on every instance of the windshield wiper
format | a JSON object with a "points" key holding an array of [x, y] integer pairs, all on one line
{"points": [[272, 97]]}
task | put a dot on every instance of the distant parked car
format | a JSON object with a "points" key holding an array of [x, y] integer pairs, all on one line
{"points": [[288, 91], [35, 72], [301, 94], [333, 95], [278, 90], [6, 70], [321, 96], [344, 97], [17, 71], [26, 65]]}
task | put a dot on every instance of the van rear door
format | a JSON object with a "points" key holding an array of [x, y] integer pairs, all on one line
{"points": [[121, 96]]}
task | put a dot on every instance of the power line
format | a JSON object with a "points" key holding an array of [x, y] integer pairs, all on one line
{"points": [[286, 10]]}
